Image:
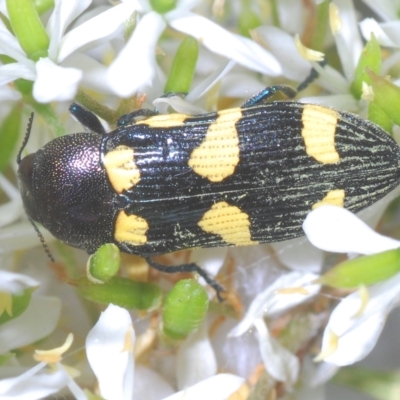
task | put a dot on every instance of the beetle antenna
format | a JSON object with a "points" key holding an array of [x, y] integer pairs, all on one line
{"points": [[44, 244], [26, 138]]}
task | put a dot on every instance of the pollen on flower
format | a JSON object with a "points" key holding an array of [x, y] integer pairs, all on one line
{"points": [[128, 343], [54, 355], [334, 19], [364, 297], [306, 53], [367, 92], [293, 290], [5, 303], [329, 349]]}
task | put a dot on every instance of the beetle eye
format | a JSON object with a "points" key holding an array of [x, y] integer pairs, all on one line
{"points": [[25, 173]]}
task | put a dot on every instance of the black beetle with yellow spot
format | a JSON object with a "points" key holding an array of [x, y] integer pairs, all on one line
{"points": [[242, 176]]}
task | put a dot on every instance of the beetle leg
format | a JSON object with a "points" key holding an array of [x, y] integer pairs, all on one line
{"points": [[131, 117], [266, 93], [88, 119]]}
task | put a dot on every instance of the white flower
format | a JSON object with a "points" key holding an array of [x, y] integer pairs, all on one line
{"points": [[196, 359], [285, 293], [57, 76], [36, 383], [218, 387], [135, 67], [32, 324], [109, 349], [356, 323]]}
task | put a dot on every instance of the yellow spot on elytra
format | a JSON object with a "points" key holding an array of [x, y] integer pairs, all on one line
{"points": [[5, 303], [130, 229], [218, 155], [54, 355], [333, 198], [164, 120], [319, 128], [229, 222], [121, 168], [329, 348]]}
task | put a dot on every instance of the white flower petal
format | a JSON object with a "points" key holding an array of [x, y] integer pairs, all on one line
{"points": [[55, 83], [64, 13], [322, 373], [7, 93], [9, 46], [211, 260], [32, 385], [11, 282], [102, 27], [344, 102], [357, 335], [187, 4], [388, 63], [9, 189], [299, 255], [178, 104], [135, 66], [218, 387], [234, 47], [19, 236], [208, 82], [386, 9], [271, 302], [338, 230], [283, 47], [348, 40], [196, 359], [292, 15], [280, 363], [149, 385], [10, 211], [240, 84], [36, 322], [94, 73], [13, 71], [330, 79], [369, 26], [109, 349], [392, 30]]}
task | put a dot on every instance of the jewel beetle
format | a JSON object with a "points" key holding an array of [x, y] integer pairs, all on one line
{"points": [[241, 176]]}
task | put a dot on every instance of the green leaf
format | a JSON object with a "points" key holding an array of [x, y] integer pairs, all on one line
{"points": [[122, 292], [163, 6], [377, 115], [43, 5], [387, 96], [9, 135], [28, 28], [183, 66], [380, 385], [248, 19], [19, 304], [370, 59], [365, 270]]}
